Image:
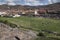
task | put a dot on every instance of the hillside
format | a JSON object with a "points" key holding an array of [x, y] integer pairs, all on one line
{"points": [[28, 27], [35, 23], [55, 6], [8, 33], [27, 7]]}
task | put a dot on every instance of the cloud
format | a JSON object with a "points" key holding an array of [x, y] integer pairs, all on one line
{"points": [[10, 2], [29, 2], [33, 2], [25, 2], [2, 3], [56, 1], [53, 1], [50, 1]]}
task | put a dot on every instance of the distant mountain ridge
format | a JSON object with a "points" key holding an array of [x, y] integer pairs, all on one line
{"points": [[26, 7]]}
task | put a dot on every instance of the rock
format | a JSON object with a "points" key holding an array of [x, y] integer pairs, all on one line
{"points": [[8, 33]]}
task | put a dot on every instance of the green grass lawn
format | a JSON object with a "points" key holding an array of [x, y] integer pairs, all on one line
{"points": [[35, 23]]}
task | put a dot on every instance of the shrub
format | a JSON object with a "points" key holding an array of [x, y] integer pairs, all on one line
{"points": [[4, 21], [12, 25], [41, 34], [8, 23]]}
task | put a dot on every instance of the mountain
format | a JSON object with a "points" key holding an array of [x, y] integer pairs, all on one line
{"points": [[55, 6]]}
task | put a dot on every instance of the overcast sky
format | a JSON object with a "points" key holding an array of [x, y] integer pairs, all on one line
{"points": [[28, 2]]}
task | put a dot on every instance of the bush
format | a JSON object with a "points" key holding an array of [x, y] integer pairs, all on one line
{"points": [[41, 34], [4, 21], [12, 25], [8, 23]]}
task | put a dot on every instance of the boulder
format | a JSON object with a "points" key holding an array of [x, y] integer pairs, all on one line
{"points": [[8, 33]]}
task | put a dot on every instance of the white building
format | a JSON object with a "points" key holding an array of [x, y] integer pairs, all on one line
{"points": [[2, 13], [16, 15]]}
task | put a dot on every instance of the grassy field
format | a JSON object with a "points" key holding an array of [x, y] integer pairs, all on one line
{"points": [[35, 23]]}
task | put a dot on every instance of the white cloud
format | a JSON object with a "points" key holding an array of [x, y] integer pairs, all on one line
{"points": [[50, 1], [10, 2], [2, 3], [33, 2], [53, 1], [37, 3], [30, 2]]}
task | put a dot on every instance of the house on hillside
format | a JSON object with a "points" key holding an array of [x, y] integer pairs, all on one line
{"points": [[3, 13], [16, 15]]}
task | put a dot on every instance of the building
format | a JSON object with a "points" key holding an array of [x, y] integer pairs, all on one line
{"points": [[3, 13]]}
